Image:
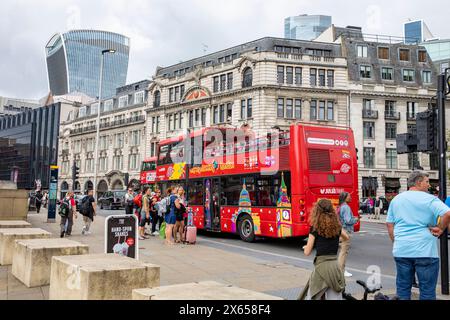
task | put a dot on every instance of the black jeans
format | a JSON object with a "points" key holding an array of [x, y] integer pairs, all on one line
{"points": [[128, 209], [156, 219]]}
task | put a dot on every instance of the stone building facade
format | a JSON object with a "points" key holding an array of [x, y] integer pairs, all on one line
{"points": [[121, 144]]}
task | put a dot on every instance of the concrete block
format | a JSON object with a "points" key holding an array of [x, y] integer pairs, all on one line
{"points": [[99, 277], [6, 224], [13, 204], [32, 258], [10, 235], [205, 290]]}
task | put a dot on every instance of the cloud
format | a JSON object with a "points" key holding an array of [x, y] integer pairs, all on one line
{"points": [[165, 32]]}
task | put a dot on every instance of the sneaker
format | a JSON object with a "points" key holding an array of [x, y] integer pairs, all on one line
{"points": [[62, 234], [141, 238], [156, 233], [347, 274]]}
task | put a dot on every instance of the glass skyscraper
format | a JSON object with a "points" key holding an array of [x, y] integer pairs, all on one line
{"points": [[73, 62], [416, 32], [306, 27]]}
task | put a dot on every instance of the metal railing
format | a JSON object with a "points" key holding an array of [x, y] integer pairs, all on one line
{"points": [[390, 115], [111, 124], [370, 114]]}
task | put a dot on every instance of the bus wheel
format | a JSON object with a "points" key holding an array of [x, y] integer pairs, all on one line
{"points": [[246, 229]]}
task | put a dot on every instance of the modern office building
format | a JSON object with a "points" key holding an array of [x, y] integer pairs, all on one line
{"points": [[416, 32], [73, 62], [13, 106], [439, 51], [306, 27]]}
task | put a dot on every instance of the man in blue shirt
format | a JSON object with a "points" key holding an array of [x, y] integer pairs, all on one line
{"points": [[415, 220]]}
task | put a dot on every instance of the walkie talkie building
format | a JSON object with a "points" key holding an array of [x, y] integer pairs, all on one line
{"points": [[73, 62]]}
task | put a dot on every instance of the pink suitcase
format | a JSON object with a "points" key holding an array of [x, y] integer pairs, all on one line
{"points": [[191, 234]]}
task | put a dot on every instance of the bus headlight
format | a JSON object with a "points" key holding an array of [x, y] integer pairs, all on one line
{"points": [[302, 213]]}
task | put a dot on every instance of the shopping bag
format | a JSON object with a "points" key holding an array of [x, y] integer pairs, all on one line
{"points": [[162, 230]]}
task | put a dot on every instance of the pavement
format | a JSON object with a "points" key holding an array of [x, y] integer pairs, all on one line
{"points": [[235, 263]]}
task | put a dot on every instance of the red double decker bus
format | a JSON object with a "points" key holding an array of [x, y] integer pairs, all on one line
{"points": [[148, 172], [264, 186]]}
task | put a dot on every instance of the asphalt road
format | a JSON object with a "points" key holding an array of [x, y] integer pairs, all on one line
{"points": [[371, 251]]}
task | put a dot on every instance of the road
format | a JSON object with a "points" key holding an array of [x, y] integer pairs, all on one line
{"points": [[371, 251]]}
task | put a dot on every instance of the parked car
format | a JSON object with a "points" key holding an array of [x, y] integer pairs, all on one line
{"points": [[112, 200], [363, 205], [385, 205]]}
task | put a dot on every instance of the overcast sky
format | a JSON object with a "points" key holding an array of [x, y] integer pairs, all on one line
{"points": [[165, 32]]}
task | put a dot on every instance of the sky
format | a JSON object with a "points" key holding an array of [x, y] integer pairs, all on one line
{"points": [[166, 32]]}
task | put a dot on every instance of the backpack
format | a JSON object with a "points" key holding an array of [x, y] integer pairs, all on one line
{"points": [[162, 206], [64, 208], [138, 200], [85, 206]]}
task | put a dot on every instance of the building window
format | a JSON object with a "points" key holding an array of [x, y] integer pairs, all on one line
{"points": [[170, 123], [223, 81], [181, 91], [177, 92], [289, 109], [289, 75], [322, 77], [152, 149], [175, 121], [222, 113], [330, 110], [390, 108], [330, 78], [391, 158], [229, 81], [362, 51], [369, 158], [249, 108], [413, 161], [313, 77], [298, 76], [411, 110], [391, 131], [242, 109], [119, 140], [313, 110], [365, 72], [123, 101], [215, 114], [134, 162], [369, 130], [298, 109], [426, 76], [171, 96], [118, 162], [404, 55], [321, 115], [280, 108], [247, 78], [197, 117], [408, 75], [383, 53], [216, 84], [280, 74], [108, 105], [204, 117], [191, 118], [139, 97], [387, 73], [103, 143], [246, 109], [229, 112], [422, 55], [411, 128]]}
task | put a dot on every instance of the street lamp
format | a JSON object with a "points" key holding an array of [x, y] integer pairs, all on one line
{"points": [[97, 137]]}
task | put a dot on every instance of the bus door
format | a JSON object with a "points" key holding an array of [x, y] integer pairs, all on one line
{"points": [[212, 204]]}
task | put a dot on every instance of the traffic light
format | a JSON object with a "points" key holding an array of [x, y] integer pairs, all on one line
{"points": [[427, 131], [75, 172], [406, 143]]}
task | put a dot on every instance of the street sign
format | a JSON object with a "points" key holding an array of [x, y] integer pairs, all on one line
{"points": [[121, 235]]}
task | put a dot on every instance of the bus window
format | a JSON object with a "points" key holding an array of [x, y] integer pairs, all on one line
{"points": [[195, 196], [231, 187], [164, 156]]}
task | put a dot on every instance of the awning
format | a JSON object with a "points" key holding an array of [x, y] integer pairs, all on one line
{"points": [[393, 183]]}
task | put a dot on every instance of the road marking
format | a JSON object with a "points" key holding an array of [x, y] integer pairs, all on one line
{"points": [[283, 256]]}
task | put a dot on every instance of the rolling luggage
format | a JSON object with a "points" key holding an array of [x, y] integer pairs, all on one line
{"points": [[191, 234]]}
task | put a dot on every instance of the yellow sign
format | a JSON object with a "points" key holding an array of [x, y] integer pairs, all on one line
{"points": [[54, 167]]}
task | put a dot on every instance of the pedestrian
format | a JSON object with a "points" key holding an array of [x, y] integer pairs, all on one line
{"points": [[347, 221], [145, 212], [38, 200], [415, 219], [156, 218], [88, 210], [67, 211], [45, 200], [170, 218], [327, 279], [378, 207], [129, 203], [180, 215]]}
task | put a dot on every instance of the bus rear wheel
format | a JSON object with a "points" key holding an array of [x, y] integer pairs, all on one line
{"points": [[246, 229]]}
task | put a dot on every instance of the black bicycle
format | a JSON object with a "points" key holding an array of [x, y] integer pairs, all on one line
{"points": [[367, 291]]}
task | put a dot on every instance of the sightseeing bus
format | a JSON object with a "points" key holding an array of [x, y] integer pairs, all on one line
{"points": [[262, 186], [148, 172]]}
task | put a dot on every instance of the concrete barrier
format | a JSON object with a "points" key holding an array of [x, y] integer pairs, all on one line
{"points": [[99, 277], [32, 258], [13, 204], [10, 235], [206, 290], [6, 224]]}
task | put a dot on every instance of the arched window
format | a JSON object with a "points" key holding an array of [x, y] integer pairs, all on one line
{"points": [[247, 77], [156, 99]]}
